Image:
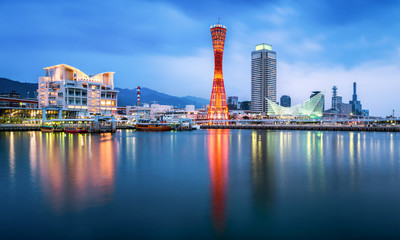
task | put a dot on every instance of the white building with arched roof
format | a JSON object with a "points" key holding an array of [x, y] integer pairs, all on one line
{"points": [[71, 89]]}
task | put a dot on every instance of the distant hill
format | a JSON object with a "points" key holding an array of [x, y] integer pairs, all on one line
{"points": [[7, 86], [147, 95], [125, 96]]}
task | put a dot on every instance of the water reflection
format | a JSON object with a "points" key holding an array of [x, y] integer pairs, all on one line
{"points": [[12, 156], [218, 157], [75, 172], [263, 150]]}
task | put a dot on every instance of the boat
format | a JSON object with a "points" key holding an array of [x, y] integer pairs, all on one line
{"points": [[152, 127], [75, 130], [45, 128]]}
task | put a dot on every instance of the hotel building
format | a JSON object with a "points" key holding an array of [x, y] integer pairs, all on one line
{"points": [[69, 88], [263, 78]]}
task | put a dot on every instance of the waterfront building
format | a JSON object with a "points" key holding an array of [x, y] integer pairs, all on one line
{"points": [[286, 101], [245, 105], [344, 108], [365, 112], [314, 93], [218, 108], [139, 112], [190, 108], [25, 115], [69, 88], [263, 78], [157, 110], [310, 108], [356, 105], [334, 98], [18, 102], [233, 102], [11, 95]]}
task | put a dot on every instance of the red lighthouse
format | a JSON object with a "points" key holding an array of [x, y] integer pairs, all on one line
{"points": [[218, 109]]}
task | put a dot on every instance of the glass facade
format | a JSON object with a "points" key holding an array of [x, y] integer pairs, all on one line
{"points": [[311, 107], [27, 115], [19, 115]]}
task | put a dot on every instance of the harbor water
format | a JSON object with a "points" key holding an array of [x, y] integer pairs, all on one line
{"points": [[205, 184]]}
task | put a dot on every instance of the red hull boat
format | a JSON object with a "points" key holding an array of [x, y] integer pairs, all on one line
{"points": [[75, 130]]}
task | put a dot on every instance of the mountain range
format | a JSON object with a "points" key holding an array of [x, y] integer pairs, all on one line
{"points": [[126, 96]]}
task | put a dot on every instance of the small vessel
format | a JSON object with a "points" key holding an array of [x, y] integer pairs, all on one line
{"points": [[153, 127], [75, 130], [45, 128]]}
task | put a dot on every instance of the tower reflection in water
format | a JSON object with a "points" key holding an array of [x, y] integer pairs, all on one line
{"points": [[75, 171], [218, 157]]}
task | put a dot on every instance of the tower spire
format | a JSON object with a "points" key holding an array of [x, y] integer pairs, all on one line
{"points": [[218, 108]]}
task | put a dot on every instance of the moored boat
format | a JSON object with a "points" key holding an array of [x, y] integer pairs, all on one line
{"points": [[75, 130], [51, 129], [152, 127]]}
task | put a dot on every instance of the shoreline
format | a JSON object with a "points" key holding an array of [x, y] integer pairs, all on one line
{"points": [[305, 128], [249, 127]]}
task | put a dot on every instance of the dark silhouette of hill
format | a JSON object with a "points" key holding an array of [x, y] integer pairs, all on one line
{"points": [[147, 95], [7, 86]]}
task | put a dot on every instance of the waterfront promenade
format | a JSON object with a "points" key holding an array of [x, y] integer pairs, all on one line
{"points": [[309, 127]]}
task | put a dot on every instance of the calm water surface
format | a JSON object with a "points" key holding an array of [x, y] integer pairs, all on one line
{"points": [[232, 184]]}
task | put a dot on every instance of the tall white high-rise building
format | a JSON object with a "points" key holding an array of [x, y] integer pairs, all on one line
{"points": [[263, 78]]}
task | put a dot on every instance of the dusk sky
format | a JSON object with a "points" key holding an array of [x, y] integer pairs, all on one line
{"points": [[166, 45]]}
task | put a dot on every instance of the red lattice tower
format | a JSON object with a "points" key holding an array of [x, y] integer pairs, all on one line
{"points": [[218, 109]]}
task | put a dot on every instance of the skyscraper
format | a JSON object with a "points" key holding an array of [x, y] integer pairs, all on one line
{"points": [[263, 78], [233, 102], [286, 101], [355, 105], [218, 109]]}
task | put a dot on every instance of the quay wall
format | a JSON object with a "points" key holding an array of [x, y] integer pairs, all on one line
{"points": [[18, 127], [306, 127]]}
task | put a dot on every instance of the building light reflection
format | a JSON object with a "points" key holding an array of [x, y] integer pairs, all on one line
{"points": [[71, 177], [218, 155], [12, 156]]}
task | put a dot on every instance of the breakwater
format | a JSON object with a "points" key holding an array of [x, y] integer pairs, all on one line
{"points": [[307, 127]]}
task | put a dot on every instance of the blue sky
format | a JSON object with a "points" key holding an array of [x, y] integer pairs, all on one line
{"points": [[166, 45]]}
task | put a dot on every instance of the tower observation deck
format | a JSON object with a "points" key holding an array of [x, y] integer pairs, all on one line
{"points": [[218, 108]]}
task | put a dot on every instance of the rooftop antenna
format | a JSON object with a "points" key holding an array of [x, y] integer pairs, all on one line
{"points": [[219, 19]]}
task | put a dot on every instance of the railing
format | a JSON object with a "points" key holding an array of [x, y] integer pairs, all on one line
{"points": [[298, 121]]}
